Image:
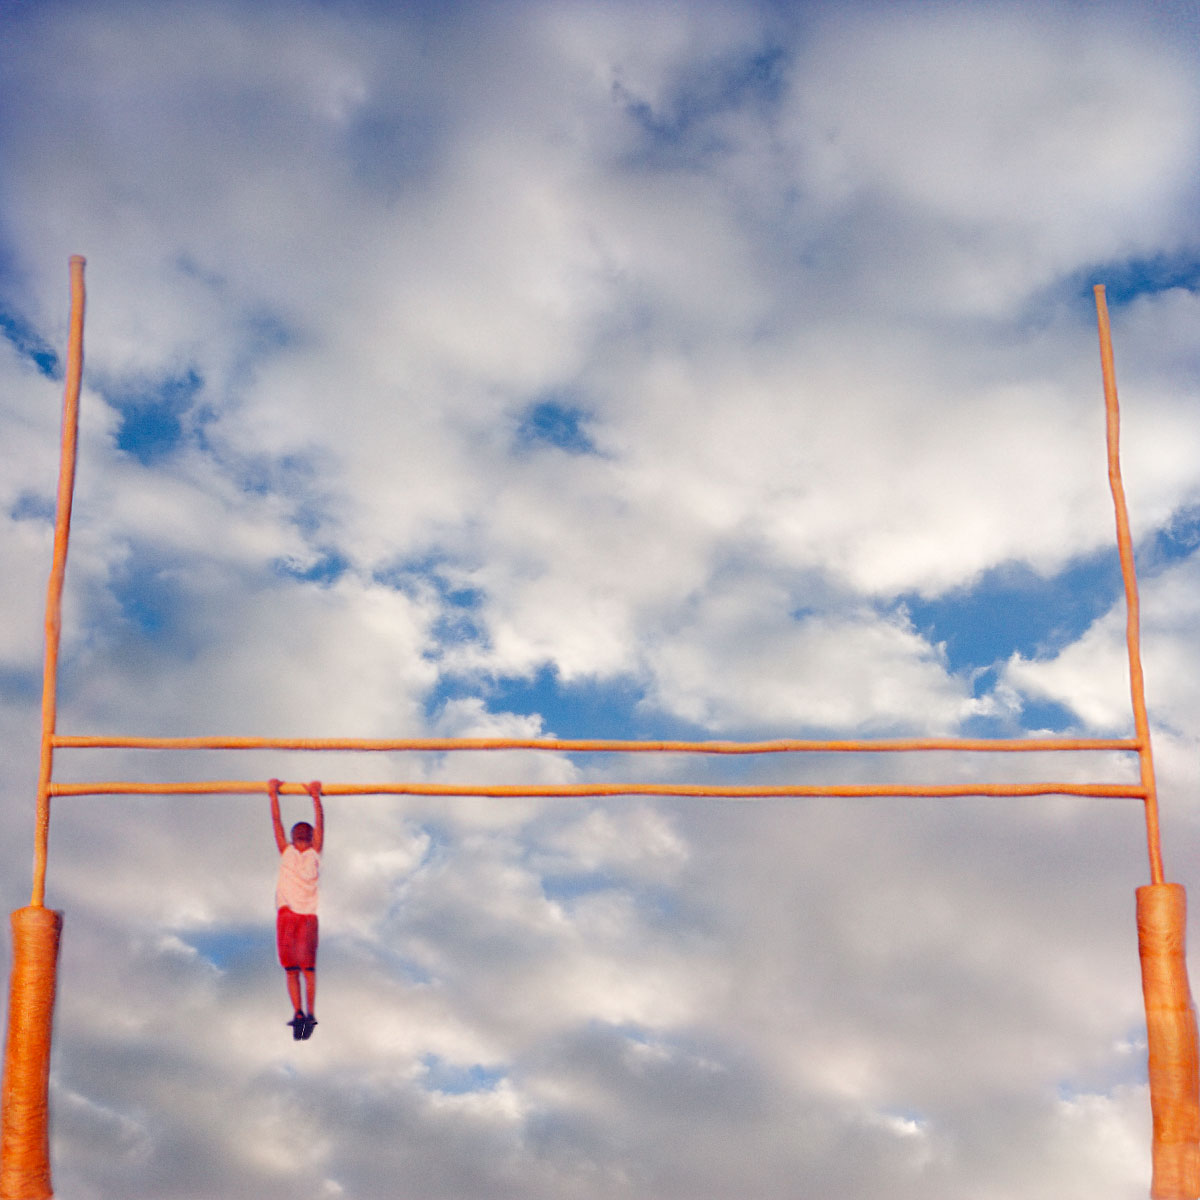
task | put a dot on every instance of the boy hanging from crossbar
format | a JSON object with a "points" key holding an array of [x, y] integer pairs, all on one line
{"points": [[296, 905]]}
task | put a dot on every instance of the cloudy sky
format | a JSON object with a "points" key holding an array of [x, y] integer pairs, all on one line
{"points": [[705, 370]]}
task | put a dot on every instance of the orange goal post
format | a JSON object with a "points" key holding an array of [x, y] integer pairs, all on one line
{"points": [[1174, 1066]]}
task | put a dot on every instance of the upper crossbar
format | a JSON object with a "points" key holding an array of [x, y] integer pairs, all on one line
{"points": [[598, 745]]}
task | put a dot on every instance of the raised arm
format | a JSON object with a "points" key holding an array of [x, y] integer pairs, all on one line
{"points": [[276, 820], [314, 790]]}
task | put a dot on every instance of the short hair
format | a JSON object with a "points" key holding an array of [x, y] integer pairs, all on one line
{"points": [[303, 830]]}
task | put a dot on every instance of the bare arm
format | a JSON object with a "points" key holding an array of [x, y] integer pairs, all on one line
{"points": [[276, 820], [314, 790]]}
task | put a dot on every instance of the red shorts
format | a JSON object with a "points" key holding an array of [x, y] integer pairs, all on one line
{"points": [[296, 937]]}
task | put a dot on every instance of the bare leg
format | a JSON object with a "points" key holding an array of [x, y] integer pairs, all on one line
{"points": [[310, 986], [293, 986]]}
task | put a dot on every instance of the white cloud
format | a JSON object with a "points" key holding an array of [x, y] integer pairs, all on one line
{"points": [[746, 660]]}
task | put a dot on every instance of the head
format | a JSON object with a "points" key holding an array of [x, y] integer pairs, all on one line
{"points": [[302, 835]]}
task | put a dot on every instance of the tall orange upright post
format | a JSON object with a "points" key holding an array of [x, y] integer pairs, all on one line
{"points": [[1161, 907], [25, 1132]]}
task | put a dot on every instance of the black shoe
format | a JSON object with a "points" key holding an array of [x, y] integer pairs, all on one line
{"points": [[310, 1023], [298, 1023]]}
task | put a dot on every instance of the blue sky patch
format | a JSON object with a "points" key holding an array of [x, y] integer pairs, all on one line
{"points": [[1127, 279], [679, 129], [1178, 539], [20, 685], [564, 887], [29, 506], [152, 421], [29, 344], [149, 597], [328, 568], [228, 947], [583, 708], [454, 1079], [1012, 609], [266, 332], [551, 423], [457, 623], [392, 150], [1047, 715]]}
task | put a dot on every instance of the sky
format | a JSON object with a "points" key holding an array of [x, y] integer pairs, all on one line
{"points": [[655, 370]]}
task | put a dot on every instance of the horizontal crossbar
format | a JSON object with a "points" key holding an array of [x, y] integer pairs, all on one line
{"points": [[756, 791], [592, 745]]}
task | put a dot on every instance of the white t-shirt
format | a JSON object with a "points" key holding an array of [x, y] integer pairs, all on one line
{"points": [[298, 876]]}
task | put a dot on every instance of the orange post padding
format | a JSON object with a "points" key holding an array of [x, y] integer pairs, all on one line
{"points": [[25, 1149], [1172, 1040]]}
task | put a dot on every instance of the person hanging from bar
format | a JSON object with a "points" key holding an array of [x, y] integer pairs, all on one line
{"points": [[296, 905]]}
